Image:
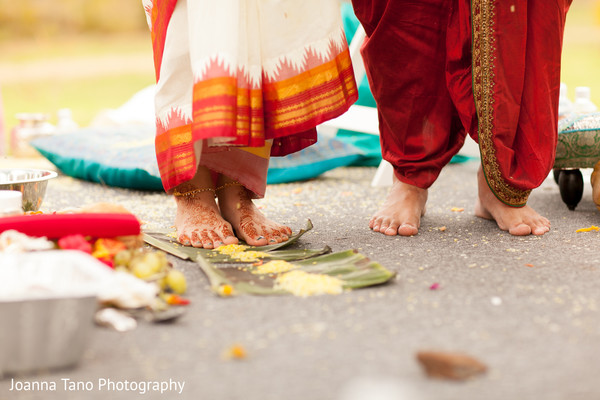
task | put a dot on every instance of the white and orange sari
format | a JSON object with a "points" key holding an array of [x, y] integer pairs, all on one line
{"points": [[241, 80]]}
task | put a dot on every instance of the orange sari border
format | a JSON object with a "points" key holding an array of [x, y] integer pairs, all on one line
{"points": [[175, 156], [223, 107], [177, 161]]}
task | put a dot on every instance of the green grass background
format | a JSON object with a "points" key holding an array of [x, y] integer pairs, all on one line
{"points": [[84, 95], [581, 48]]}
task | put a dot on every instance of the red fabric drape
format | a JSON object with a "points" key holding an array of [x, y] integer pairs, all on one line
{"points": [[160, 15], [440, 69]]}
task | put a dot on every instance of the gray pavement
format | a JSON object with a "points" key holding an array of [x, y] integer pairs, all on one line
{"points": [[536, 327]]}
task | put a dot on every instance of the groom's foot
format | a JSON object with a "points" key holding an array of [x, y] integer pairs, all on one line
{"points": [[517, 221], [402, 211]]}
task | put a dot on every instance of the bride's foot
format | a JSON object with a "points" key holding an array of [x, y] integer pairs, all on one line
{"points": [[198, 220], [249, 223]]}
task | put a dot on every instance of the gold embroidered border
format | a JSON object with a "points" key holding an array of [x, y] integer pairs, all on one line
{"points": [[484, 57]]}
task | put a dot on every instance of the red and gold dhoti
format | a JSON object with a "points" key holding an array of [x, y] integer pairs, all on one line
{"points": [[440, 69], [239, 81]]}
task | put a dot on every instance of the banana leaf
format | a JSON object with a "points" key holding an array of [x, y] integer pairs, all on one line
{"points": [[162, 241], [353, 268], [240, 281]]}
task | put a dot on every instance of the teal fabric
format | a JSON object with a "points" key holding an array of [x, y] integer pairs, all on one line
{"points": [[121, 156], [327, 154], [367, 143], [124, 156]]}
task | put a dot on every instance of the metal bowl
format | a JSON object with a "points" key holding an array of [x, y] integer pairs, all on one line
{"points": [[47, 305], [45, 333], [31, 182]]}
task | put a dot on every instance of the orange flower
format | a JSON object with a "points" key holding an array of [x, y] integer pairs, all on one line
{"points": [[237, 351], [106, 248], [225, 290], [176, 300], [591, 228]]}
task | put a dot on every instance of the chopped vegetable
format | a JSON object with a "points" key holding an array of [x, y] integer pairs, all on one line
{"points": [[304, 284], [231, 248], [274, 267], [238, 252]]}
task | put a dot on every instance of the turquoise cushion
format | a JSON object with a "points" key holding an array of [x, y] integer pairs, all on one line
{"points": [[367, 143], [328, 153], [123, 156]]}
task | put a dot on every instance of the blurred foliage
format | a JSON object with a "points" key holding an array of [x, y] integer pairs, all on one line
{"points": [[86, 97], [51, 18]]}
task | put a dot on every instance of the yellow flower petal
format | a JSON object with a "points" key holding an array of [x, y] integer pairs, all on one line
{"points": [[591, 228]]}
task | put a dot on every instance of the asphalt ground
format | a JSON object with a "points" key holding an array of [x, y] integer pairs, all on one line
{"points": [[527, 307]]}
